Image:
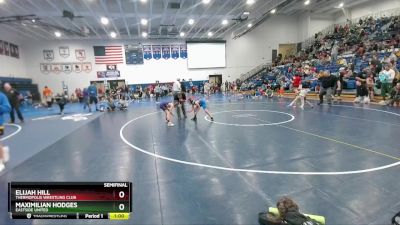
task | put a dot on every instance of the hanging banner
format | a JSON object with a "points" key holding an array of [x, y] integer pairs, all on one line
{"points": [[156, 51], [1, 48], [87, 67], [14, 52], [45, 67], [48, 55], [147, 52], [66, 67], [175, 51], [108, 74], [64, 51], [77, 67], [166, 51], [6, 48], [55, 68], [80, 54], [183, 51]]}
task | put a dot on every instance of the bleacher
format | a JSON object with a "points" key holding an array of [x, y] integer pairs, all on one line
{"points": [[382, 33]]}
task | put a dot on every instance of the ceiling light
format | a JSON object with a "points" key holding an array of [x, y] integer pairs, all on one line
{"points": [[182, 34], [273, 11], [210, 34], [104, 20], [33, 20], [1, 1], [224, 22], [249, 25], [113, 34], [307, 2], [191, 22], [57, 34], [143, 22], [341, 5], [206, 1], [144, 34], [246, 13], [143, 1], [250, 2]]}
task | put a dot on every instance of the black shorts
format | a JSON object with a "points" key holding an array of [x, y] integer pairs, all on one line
{"points": [[93, 100], [1, 130]]}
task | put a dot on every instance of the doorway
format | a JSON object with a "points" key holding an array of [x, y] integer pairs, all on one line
{"points": [[215, 79]]}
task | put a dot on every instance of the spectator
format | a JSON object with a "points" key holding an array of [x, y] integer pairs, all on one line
{"points": [[4, 108], [48, 96], [14, 100], [395, 95], [157, 91], [386, 77], [92, 90]]}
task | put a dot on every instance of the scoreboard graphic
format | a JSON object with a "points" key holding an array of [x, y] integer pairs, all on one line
{"points": [[71, 200]]}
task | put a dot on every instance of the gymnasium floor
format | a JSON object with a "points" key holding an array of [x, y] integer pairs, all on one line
{"points": [[339, 161]]}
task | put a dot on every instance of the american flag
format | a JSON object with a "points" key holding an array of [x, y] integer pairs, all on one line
{"points": [[108, 55]]}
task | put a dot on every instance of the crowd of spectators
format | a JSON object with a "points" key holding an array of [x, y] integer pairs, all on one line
{"points": [[356, 53]]}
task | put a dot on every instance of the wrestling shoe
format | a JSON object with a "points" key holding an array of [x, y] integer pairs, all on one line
{"points": [[171, 124]]}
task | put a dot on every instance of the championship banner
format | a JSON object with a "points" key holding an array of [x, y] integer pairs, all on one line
{"points": [[183, 51], [156, 51], [64, 51], [56, 68], [48, 55], [1, 48], [45, 68], [134, 54], [14, 51], [108, 74], [111, 67], [87, 67], [147, 52], [80, 54], [166, 51], [175, 51], [6, 48], [66, 67], [77, 67]]}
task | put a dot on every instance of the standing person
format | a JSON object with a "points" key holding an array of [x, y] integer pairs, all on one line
{"points": [[386, 76], [327, 84], [167, 107], [85, 99], [4, 108], [92, 90], [48, 96], [61, 100], [196, 105], [157, 91], [176, 91], [180, 102], [371, 85], [13, 99]]}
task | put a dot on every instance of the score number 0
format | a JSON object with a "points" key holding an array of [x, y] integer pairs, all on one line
{"points": [[121, 195]]}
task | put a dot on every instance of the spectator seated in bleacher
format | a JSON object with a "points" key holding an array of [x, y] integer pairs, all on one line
{"points": [[395, 96]]}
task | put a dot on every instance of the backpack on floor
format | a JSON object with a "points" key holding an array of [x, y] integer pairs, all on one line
{"points": [[296, 218], [396, 219]]}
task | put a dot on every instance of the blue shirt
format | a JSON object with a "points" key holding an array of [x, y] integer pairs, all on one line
{"points": [[4, 107], [92, 91]]}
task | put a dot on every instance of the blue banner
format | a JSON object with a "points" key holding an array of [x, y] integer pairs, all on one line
{"points": [[147, 52], [175, 51], [183, 51], [156, 51], [166, 51]]}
